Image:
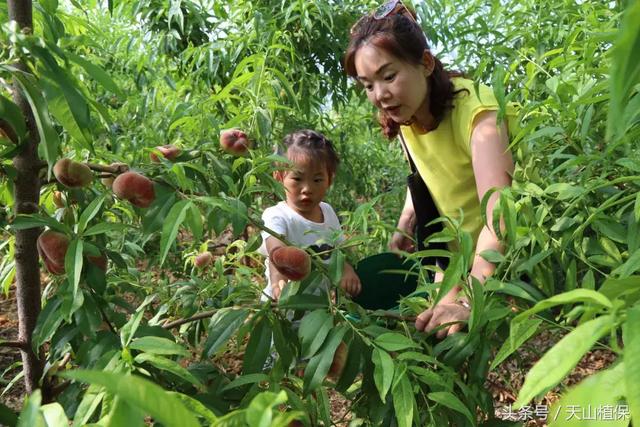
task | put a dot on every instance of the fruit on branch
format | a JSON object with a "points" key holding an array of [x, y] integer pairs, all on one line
{"points": [[72, 174], [296, 423], [58, 199], [339, 360], [136, 188], [52, 247], [168, 151], [294, 263], [203, 259], [235, 141]]}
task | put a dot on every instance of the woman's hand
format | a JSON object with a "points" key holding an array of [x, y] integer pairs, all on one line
{"points": [[444, 312], [276, 288], [401, 242], [350, 281]]}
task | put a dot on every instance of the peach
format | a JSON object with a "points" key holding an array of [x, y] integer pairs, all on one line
{"points": [[168, 151], [203, 259], [136, 188], [235, 141], [292, 262], [72, 174], [52, 247], [339, 360]]}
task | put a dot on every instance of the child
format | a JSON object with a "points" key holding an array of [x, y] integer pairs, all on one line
{"points": [[303, 218]]}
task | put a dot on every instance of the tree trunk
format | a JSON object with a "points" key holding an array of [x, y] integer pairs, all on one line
{"points": [[27, 197]]}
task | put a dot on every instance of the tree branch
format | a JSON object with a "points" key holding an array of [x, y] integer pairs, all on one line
{"points": [[21, 345], [180, 322]]}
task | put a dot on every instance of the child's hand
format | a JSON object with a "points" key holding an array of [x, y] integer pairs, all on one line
{"points": [[276, 289], [350, 281]]}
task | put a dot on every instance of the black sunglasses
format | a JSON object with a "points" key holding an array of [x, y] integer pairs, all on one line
{"points": [[390, 8]]}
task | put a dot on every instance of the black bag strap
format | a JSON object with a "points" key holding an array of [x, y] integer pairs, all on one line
{"points": [[406, 151]]}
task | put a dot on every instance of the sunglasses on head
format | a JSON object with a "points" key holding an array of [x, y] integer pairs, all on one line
{"points": [[390, 8]]}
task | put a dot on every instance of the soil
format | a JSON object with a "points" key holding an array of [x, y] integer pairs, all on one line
{"points": [[503, 383]]}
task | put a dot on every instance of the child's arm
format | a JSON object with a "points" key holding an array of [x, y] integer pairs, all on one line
{"points": [[350, 281], [276, 278]]}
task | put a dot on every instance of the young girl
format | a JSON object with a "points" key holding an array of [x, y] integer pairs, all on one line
{"points": [[449, 133], [303, 218]]}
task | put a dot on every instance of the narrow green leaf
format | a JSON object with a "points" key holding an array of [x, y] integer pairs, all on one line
{"points": [[631, 356], [393, 341], [171, 226], [48, 135], [23, 222], [403, 402], [158, 345], [48, 321], [592, 395], [223, 324], [89, 213], [140, 393], [258, 347], [630, 266], [54, 414], [13, 116], [319, 365], [452, 276], [562, 357], [519, 334], [383, 371], [7, 416], [122, 413], [314, 328], [614, 288], [168, 365], [73, 264], [260, 411], [451, 401], [105, 227], [244, 380], [196, 407], [97, 73], [30, 415], [571, 297]]}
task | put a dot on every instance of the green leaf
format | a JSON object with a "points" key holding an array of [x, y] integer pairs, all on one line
{"points": [[615, 288], [194, 219], [30, 415], [130, 328], [23, 222], [54, 414], [258, 347], [105, 227], [319, 365], [571, 297], [89, 213], [562, 357], [452, 402], [492, 255], [519, 333], [97, 73], [158, 345], [383, 371], [631, 356], [196, 407], [122, 413], [596, 392], [13, 116], [636, 209], [336, 267], [168, 365], [393, 341], [629, 267], [314, 328], [244, 380], [403, 402], [140, 393], [73, 264], [48, 321], [7, 416], [452, 276], [260, 411], [48, 135], [223, 324], [171, 226]]}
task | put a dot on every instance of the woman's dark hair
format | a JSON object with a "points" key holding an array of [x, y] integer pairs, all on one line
{"points": [[311, 145], [403, 38]]}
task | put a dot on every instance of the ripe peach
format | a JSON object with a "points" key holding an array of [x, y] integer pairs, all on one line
{"points": [[72, 174], [169, 152], [52, 247], [136, 188], [58, 199], [203, 259], [339, 360], [292, 262], [235, 141]]}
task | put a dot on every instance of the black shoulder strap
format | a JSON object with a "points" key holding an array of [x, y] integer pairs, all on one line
{"points": [[406, 150]]}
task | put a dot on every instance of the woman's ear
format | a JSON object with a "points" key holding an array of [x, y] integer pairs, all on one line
{"points": [[428, 61]]}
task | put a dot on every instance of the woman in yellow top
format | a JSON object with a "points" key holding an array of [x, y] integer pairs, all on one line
{"points": [[449, 132]]}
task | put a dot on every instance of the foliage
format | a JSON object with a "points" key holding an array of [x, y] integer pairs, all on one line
{"points": [[109, 83]]}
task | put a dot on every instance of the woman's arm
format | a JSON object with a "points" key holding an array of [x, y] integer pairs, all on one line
{"points": [[492, 167], [406, 224]]}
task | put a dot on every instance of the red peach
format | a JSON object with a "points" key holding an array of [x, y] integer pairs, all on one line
{"points": [[99, 261], [203, 259], [72, 174], [168, 151], [52, 247], [235, 141], [136, 188], [292, 262]]}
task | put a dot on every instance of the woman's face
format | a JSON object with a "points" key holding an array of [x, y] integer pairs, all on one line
{"points": [[394, 86]]}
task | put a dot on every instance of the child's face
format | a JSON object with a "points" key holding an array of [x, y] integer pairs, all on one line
{"points": [[306, 185]]}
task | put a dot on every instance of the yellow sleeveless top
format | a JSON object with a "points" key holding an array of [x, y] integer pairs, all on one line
{"points": [[443, 156]]}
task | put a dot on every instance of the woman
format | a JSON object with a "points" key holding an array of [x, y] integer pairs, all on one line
{"points": [[449, 133]]}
